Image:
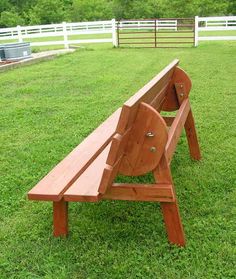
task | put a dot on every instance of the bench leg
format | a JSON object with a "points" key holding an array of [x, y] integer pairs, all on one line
{"points": [[173, 223], [60, 218], [192, 137], [170, 210]]}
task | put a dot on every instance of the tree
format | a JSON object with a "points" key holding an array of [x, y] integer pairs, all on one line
{"points": [[232, 7], [5, 5], [10, 19], [56, 11], [83, 10], [211, 7], [48, 11]]}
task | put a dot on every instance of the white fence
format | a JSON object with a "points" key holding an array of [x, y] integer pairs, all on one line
{"points": [[63, 30], [68, 30], [139, 24], [220, 23]]}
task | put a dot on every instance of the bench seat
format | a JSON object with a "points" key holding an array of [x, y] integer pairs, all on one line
{"points": [[63, 175], [85, 188]]}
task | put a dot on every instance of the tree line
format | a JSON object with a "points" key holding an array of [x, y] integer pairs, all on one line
{"points": [[34, 12]]}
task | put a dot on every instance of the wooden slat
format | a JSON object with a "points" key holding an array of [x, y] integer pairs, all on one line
{"points": [[85, 188], [159, 99], [56, 182], [118, 145], [192, 137], [169, 120], [109, 174], [176, 128], [140, 192], [114, 159], [146, 95], [191, 133]]}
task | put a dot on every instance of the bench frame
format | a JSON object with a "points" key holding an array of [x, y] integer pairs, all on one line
{"points": [[140, 143]]}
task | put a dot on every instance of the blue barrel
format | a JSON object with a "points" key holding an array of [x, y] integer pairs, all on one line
{"points": [[2, 54], [17, 51]]}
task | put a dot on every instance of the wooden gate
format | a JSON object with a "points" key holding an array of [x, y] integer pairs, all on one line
{"points": [[156, 33]]}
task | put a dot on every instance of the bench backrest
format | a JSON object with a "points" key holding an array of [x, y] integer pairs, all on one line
{"points": [[153, 93], [132, 153]]}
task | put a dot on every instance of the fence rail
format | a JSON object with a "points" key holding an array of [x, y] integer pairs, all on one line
{"points": [[64, 30], [169, 24], [223, 23], [67, 30]]}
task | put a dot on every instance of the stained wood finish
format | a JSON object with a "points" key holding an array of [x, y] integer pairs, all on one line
{"points": [[191, 134], [190, 129], [177, 128], [139, 157], [170, 211], [146, 95], [59, 179], [60, 218], [179, 77], [173, 223], [85, 188], [114, 158], [140, 192], [133, 141], [169, 120]]}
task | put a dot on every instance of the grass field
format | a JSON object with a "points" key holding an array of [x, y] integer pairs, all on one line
{"points": [[48, 108], [148, 38]]}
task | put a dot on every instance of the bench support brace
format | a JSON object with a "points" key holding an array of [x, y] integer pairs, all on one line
{"points": [[170, 211], [60, 218], [189, 125], [191, 134]]}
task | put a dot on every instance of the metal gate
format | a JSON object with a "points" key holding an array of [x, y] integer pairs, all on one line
{"points": [[156, 33]]}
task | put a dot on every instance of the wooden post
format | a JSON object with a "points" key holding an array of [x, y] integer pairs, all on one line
{"points": [[191, 134], [173, 223], [170, 211], [196, 31], [114, 35], [118, 32], [20, 39], [66, 44], [155, 33], [189, 125], [60, 218]]}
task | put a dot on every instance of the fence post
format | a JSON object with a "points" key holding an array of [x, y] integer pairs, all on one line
{"points": [[196, 32], [114, 35], [20, 39], [66, 44]]}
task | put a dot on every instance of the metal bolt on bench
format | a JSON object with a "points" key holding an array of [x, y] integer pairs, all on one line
{"points": [[133, 141]]}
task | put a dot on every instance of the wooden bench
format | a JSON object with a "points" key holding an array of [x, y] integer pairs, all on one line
{"points": [[133, 141]]}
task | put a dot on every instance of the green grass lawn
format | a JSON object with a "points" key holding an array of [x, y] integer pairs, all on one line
{"points": [[50, 107]]}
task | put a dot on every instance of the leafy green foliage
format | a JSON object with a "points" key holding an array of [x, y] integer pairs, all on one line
{"points": [[4, 5], [11, 18], [83, 10], [43, 11], [46, 11]]}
